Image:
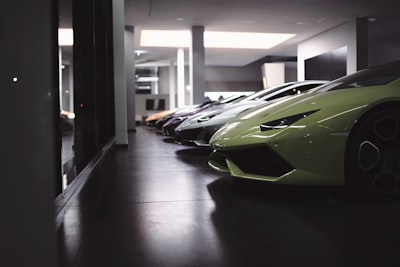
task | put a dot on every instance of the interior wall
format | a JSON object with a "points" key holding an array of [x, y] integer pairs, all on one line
{"points": [[343, 35], [141, 104], [239, 74], [381, 52], [327, 66], [220, 78]]}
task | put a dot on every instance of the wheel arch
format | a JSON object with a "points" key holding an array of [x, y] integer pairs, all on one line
{"points": [[371, 110], [395, 104]]}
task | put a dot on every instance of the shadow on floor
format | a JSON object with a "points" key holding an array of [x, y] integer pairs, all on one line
{"points": [[301, 226]]}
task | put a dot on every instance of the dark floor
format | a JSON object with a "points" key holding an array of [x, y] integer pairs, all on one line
{"points": [[157, 203]]}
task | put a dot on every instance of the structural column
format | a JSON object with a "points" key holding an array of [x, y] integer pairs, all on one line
{"points": [[121, 128], [172, 84], [130, 77], [273, 74], [197, 66], [181, 77], [362, 43]]}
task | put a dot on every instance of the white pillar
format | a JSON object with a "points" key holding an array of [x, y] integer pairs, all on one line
{"points": [[198, 81], [60, 82], [273, 74], [154, 84], [172, 84], [191, 75], [181, 77], [121, 128]]}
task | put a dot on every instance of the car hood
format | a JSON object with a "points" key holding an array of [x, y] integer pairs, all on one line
{"points": [[222, 113]]}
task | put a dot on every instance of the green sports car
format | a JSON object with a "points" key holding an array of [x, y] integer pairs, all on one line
{"points": [[346, 132]]}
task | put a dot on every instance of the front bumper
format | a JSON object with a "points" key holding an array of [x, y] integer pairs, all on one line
{"points": [[200, 136], [254, 162]]}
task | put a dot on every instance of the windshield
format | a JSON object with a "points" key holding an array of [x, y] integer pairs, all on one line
{"points": [[259, 94], [378, 75], [230, 99]]}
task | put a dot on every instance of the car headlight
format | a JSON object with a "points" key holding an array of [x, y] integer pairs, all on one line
{"points": [[71, 116], [284, 122], [206, 118]]}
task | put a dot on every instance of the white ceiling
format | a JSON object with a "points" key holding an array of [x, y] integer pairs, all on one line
{"points": [[305, 18]]}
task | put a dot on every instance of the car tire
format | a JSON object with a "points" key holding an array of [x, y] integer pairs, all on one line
{"points": [[372, 160]]}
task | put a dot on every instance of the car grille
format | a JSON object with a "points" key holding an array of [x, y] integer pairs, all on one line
{"points": [[260, 160], [188, 135]]}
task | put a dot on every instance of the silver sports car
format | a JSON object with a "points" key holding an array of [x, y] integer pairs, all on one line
{"points": [[199, 128]]}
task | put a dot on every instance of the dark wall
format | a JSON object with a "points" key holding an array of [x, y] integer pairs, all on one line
{"points": [[93, 78], [383, 42], [30, 135], [327, 66], [246, 78]]}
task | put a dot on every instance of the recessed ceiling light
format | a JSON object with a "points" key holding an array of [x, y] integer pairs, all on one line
{"points": [[213, 39]]}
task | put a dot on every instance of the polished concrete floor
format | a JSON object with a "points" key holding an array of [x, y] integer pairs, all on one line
{"points": [[156, 203]]}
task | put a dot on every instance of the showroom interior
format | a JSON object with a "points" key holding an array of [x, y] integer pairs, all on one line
{"points": [[87, 183]]}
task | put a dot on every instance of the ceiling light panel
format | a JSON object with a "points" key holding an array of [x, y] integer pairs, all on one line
{"points": [[213, 39], [164, 38], [245, 40]]}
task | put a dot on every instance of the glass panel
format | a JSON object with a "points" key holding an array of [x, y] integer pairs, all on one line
{"points": [[67, 115]]}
